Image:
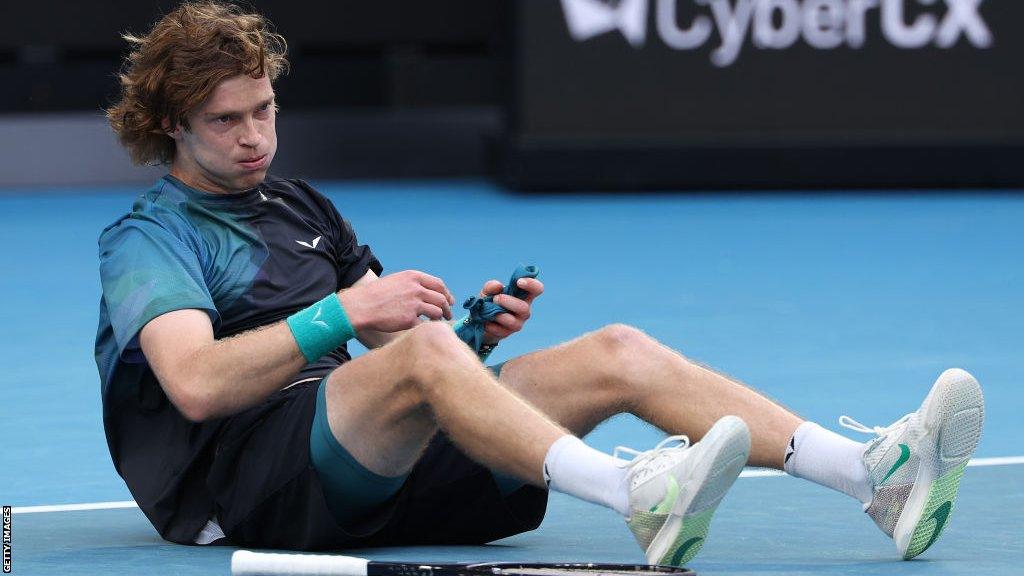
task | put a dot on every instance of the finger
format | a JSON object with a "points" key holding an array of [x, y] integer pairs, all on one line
{"points": [[532, 286], [435, 284], [492, 287], [439, 300], [495, 331], [508, 321], [514, 305], [430, 311]]}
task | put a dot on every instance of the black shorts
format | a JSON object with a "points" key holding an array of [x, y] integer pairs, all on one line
{"points": [[268, 494]]}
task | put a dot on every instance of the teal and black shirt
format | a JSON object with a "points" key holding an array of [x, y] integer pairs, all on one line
{"points": [[248, 260]]}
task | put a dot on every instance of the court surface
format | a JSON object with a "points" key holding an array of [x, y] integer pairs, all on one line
{"points": [[834, 304]]}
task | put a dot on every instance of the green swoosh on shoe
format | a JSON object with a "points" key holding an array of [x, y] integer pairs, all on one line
{"points": [[904, 456], [677, 558], [671, 493], [940, 515]]}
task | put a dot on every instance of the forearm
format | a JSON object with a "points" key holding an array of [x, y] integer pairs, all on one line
{"points": [[229, 375]]}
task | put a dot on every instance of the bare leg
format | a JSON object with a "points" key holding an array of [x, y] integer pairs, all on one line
{"points": [[620, 369], [385, 406]]}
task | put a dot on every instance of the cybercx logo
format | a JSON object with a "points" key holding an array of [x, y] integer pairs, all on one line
{"points": [[779, 24]]}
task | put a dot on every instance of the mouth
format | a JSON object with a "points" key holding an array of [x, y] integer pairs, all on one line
{"points": [[254, 163]]}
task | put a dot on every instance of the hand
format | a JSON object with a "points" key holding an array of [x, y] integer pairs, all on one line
{"points": [[508, 323], [396, 301]]}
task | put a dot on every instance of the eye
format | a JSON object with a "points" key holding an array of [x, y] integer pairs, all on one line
{"points": [[223, 119]]}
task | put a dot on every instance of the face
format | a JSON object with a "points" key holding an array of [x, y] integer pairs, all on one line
{"points": [[231, 138]]}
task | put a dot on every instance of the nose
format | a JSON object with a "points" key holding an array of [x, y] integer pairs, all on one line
{"points": [[250, 136]]}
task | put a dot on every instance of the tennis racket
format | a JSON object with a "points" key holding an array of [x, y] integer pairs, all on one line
{"points": [[246, 563]]}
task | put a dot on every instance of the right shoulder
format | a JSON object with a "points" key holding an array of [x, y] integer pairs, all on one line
{"points": [[159, 211]]}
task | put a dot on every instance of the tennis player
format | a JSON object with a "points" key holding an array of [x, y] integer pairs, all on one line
{"points": [[235, 414]]}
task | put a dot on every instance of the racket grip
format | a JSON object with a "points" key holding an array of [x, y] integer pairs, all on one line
{"points": [[246, 563]]}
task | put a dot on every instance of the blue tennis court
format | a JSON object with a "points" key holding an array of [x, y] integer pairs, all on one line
{"points": [[843, 303]]}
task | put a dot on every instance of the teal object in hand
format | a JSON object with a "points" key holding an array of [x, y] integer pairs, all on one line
{"points": [[481, 310]]}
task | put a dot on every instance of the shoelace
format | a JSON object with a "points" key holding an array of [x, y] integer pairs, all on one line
{"points": [[648, 456], [847, 422]]}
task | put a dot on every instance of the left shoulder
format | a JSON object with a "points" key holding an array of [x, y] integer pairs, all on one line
{"points": [[290, 186], [298, 190]]}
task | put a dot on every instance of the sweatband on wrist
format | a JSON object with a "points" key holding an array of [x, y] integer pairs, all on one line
{"points": [[321, 327]]}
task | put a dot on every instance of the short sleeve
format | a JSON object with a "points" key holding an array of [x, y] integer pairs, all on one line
{"points": [[354, 259], [146, 271]]}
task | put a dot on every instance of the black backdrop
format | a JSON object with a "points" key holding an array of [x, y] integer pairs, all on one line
{"points": [[378, 88], [599, 110], [619, 110], [59, 55]]}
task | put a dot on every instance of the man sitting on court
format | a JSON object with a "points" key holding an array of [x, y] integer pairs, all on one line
{"points": [[234, 412]]}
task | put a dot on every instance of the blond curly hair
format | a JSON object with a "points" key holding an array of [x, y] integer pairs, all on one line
{"points": [[174, 68]]}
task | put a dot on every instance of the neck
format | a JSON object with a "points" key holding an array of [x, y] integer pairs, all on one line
{"points": [[194, 179]]}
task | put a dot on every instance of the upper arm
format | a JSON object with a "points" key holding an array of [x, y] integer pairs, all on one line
{"points": [[170, 343], [147, 271], [160, 308]]}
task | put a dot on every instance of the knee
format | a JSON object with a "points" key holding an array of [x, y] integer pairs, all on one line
{"points": [[622, 349], [433, 350], [621, 340], [437, 340]]}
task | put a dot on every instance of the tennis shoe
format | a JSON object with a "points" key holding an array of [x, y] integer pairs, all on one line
{"points": [[675, 488], [916, 463]]}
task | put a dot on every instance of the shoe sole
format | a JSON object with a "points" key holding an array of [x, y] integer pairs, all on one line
{"points": [[726, 448], [952, 416]]}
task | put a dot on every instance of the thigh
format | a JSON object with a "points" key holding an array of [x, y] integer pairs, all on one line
{"points": [[572, 383], [352, 491], [374, 411]]}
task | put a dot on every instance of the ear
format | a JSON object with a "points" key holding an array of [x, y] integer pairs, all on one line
{"points": [[165, 127]]}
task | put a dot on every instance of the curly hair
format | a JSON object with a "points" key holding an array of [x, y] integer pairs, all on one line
{"points": [[174, 68]]}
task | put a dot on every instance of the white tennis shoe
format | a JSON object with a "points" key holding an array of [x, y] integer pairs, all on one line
{"points": [[916, 463], [675, 488]]}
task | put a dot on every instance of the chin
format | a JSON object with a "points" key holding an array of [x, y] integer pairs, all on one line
{"points": [[251, 180]]}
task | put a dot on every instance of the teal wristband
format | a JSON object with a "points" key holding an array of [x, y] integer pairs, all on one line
{"points": [[321, 328]]}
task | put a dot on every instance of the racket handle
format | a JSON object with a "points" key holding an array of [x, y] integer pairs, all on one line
{"points": [[246, 563]]}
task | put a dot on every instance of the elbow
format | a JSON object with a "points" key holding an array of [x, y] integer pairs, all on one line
{"points": [[194, 403]]}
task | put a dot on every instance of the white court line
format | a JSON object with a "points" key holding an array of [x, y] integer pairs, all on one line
{"points": [[74, 507], [750, 473], [975, 462], [1000, 461], [761, 473]]}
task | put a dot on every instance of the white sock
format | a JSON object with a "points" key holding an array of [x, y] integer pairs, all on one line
{"points": [[828, 459], [573, 468]]}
